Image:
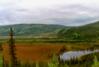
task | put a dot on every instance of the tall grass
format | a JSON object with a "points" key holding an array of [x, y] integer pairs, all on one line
{"points": [[96, 62], [1, 61], [53, 62]]}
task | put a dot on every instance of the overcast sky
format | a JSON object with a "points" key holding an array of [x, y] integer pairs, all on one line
{"points": [[64, 12]]}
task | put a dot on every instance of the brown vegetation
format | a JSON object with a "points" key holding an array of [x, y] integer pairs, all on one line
{"points": [[33, 52], [40, 51]]}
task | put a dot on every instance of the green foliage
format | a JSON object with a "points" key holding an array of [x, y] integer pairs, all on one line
{"points": [[37, 64], [1, 61], [96, 62], [54, 62]]}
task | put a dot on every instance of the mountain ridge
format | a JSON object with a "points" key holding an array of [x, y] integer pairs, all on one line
{"points": [[86, 32], [29, 29]]}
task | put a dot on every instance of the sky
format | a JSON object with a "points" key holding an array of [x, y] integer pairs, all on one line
{"points": [[63, 12]]}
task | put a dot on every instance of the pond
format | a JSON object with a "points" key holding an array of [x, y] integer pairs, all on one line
{"points": [[76, 54]]}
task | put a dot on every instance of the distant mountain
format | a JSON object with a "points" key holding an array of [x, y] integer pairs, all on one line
{"points": [[86, 32], [30, 29]]}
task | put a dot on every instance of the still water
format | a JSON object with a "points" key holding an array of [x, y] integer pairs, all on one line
{"points": [[75, 54]]}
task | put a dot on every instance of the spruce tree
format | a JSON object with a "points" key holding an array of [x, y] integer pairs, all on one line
{"points": [[12, 49]]}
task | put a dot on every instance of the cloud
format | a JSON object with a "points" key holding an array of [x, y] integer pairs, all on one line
{"points": [[64, 12]]}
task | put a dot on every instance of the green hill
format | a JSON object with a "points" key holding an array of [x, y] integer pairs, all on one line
{"points": [[86, 32], [30, 29]]}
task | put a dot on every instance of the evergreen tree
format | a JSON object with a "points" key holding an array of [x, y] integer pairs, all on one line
{"points": [[12, 49]]}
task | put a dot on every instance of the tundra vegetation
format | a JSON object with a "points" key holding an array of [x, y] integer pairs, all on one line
{"points": [[44, 52]]}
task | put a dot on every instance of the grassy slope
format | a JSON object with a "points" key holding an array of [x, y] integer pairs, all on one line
{"points": [[30, 29], [87, 32]]}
